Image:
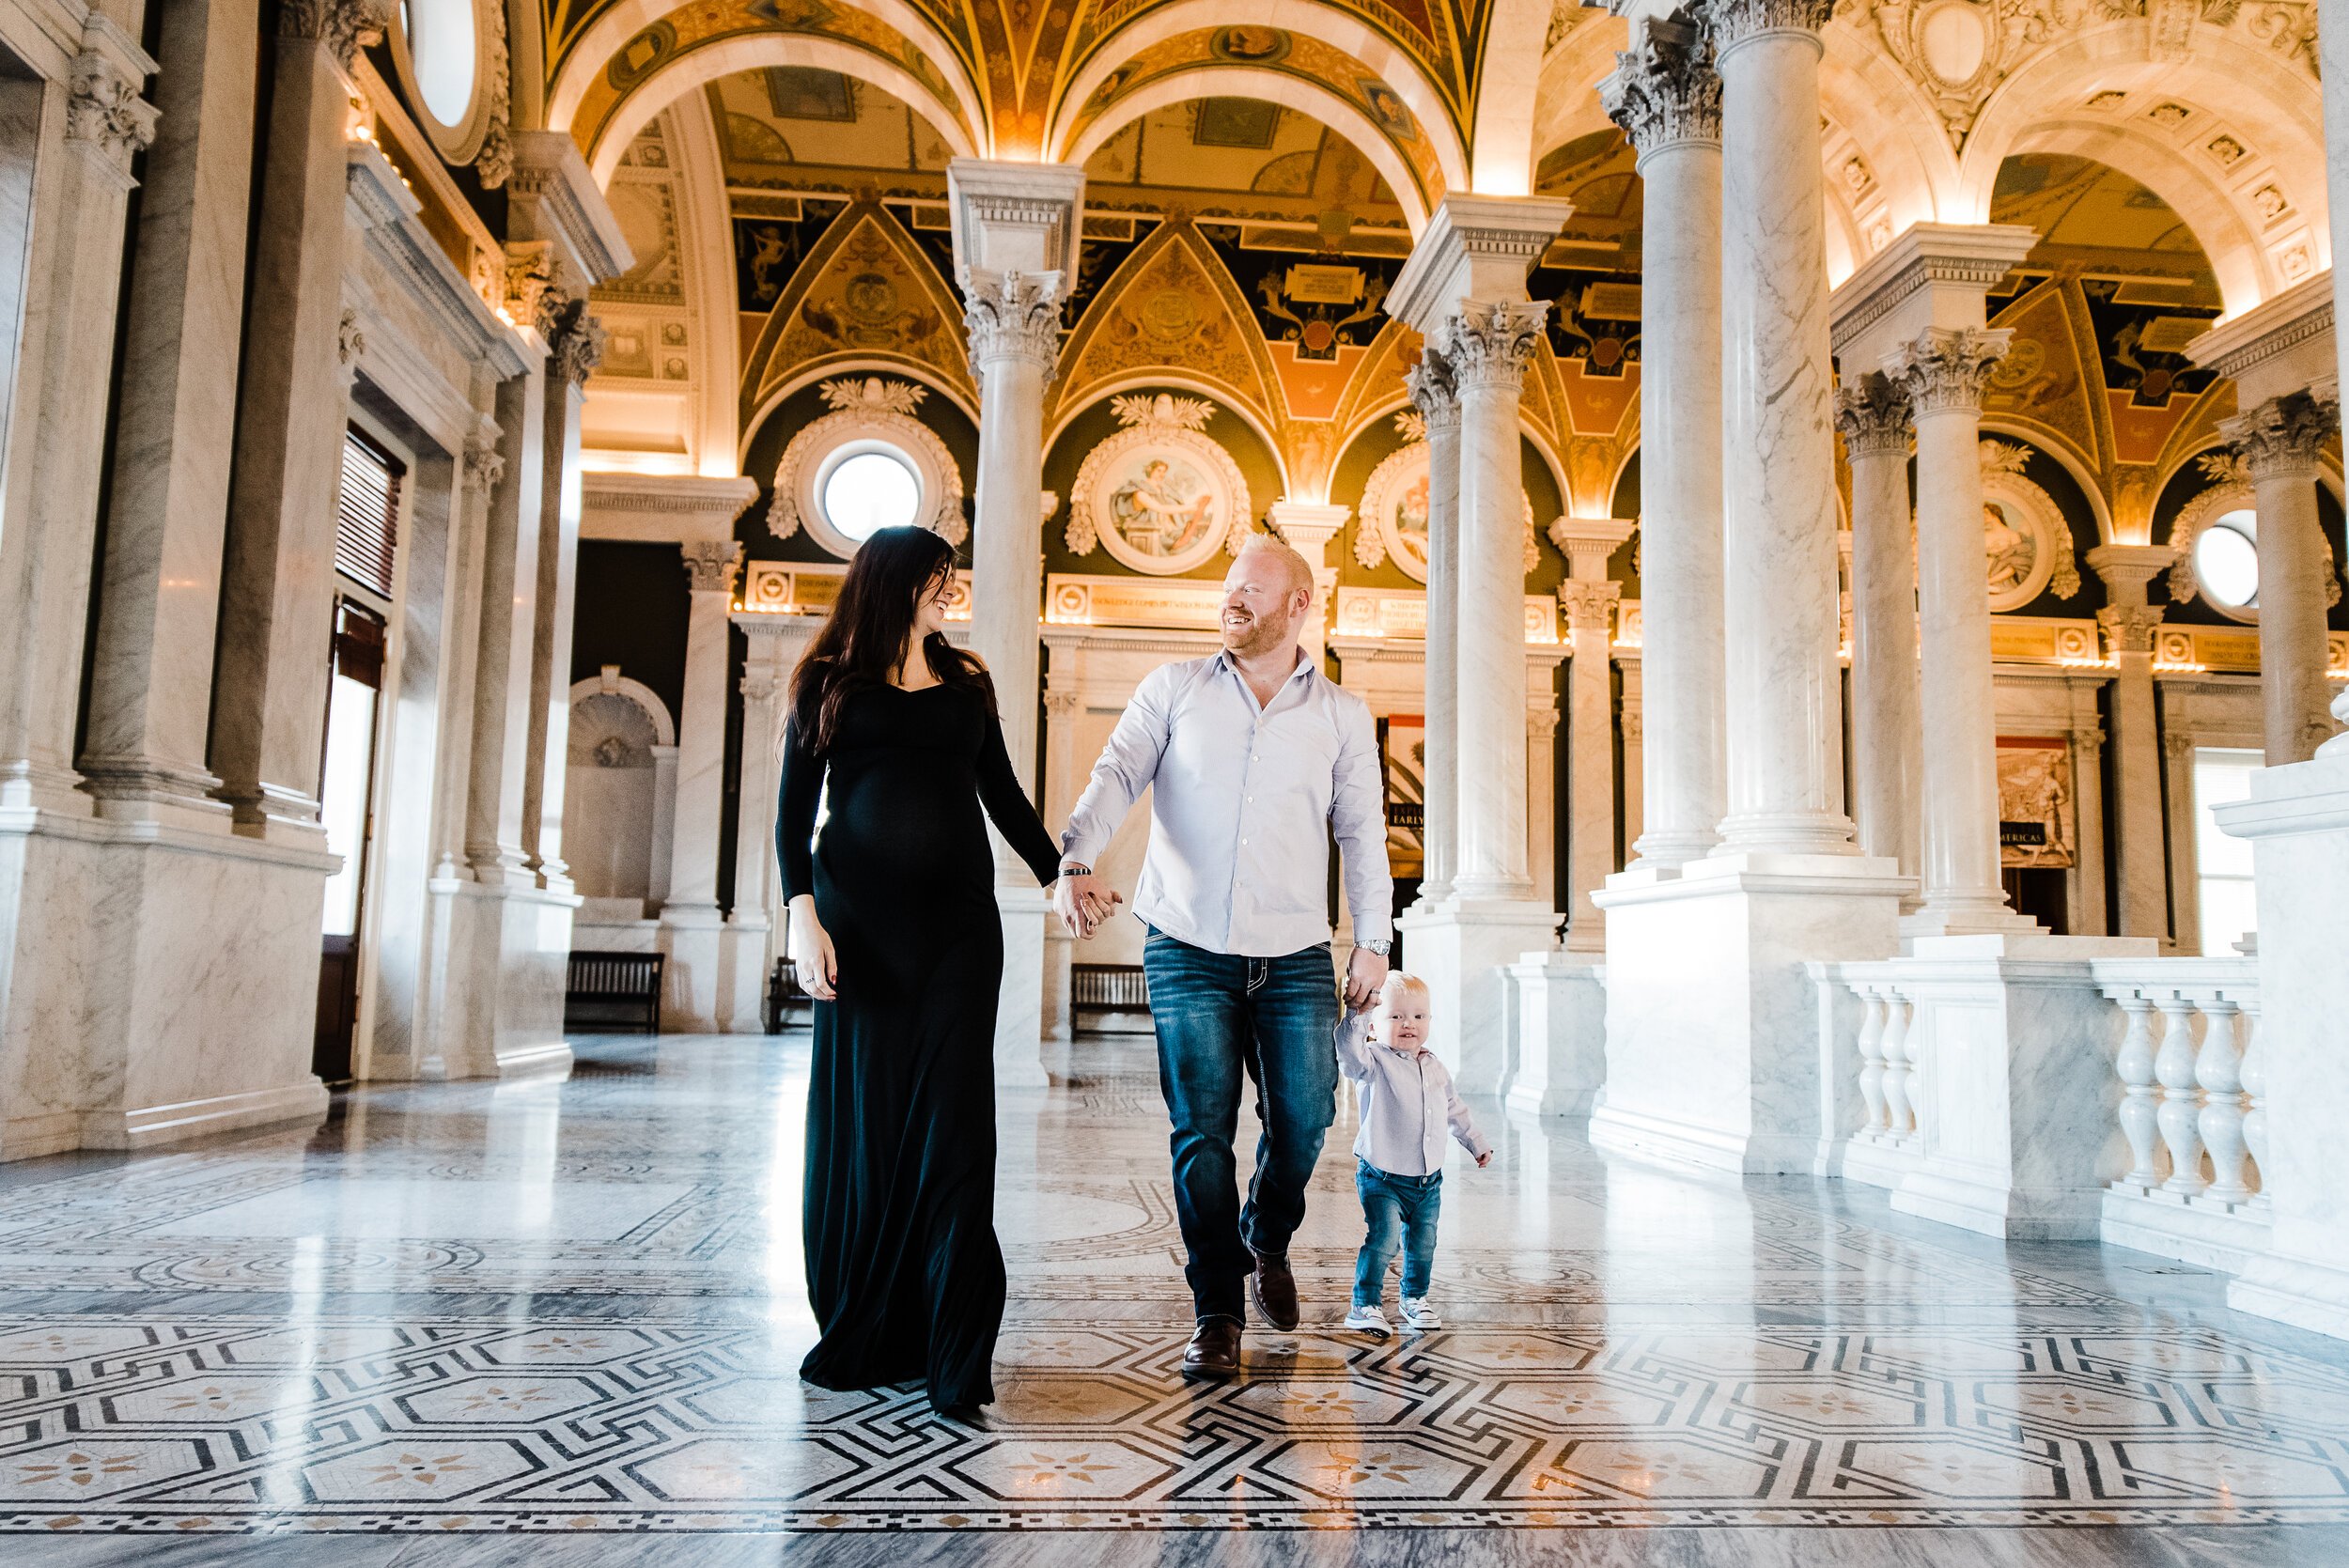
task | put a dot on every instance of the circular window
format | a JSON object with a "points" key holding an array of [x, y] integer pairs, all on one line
{"points": [[870, 490], [2227, 561], [441, 46]]}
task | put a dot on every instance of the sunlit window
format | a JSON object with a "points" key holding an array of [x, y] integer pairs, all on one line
{"points": [[441, 45], [2227, 561], [2222, 861], [870, 491]]}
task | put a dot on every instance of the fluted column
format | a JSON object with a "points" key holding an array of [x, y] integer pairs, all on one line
{"points": [[1785, 685], [2141, 869], [1667, 97], [1487, 345], [73, 289], [270, 700], [1873, 417], [1439, 404], [1590, 607], [711, 567], [2277, 440], [1942, 372]]}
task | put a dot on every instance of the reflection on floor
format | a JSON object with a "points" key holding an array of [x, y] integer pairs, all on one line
{"points": [[571, 1308]]}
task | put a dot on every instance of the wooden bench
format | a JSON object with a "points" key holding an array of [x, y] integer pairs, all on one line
{"points": [[1113, 995], [785, 997], [605, 990]]}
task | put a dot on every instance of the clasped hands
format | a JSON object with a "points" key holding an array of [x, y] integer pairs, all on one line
{"points": [[1084, 902]]}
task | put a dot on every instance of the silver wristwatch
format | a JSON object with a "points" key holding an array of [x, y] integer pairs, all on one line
{"points": [[1382, 947]]}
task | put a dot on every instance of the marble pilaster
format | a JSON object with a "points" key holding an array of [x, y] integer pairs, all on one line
{"points": [[1439, 404], [2141, 873], [151, 663], [501, 694], [270, 691], [774, 650], [1589, 601], [2277, 440], [691, 924], [1016, 227], [576, 346], [1886, 731], [1667, 97]]}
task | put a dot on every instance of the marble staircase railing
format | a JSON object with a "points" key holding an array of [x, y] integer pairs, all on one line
{"points": [[2191, 1109]]}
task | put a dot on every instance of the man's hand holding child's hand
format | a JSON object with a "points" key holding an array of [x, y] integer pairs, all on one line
{"points": [[1484, 1160]]}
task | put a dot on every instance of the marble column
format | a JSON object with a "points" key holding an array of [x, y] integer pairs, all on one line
{"points": [[2141, 869], [1942, 373], [1589, 601], [1016, 227], [1438, 402], [151, 663], [1308, 529], [1064, 777], [501, 692], [1631, 722], [751, 921], [1542, 719], [577, 343], [2277, 440], [1667, 97], [2088, 915], [1886, 737], [270, 690], [1785, 683], [690, 921]]}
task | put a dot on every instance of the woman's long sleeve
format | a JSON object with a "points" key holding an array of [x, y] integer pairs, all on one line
{"points": [[1013, 813], [803, 782]]}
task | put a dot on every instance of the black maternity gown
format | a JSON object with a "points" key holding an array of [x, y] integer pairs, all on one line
{"points": [[903, 1268]]}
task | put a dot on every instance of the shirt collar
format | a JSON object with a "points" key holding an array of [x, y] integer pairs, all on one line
{"points": [[1306, 665]]}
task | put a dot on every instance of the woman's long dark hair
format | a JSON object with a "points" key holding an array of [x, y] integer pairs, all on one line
{"points": [[865, 637]]}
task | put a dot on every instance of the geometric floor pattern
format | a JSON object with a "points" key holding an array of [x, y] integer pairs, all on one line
{"points": [[573, 1307]]}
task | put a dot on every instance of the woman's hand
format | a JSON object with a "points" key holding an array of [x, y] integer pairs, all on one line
{"points": [[812, 955]]}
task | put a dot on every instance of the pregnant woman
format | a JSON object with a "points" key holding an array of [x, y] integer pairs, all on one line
{"points": [[894, 933]]}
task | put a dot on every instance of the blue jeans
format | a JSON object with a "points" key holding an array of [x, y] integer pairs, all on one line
{"points": [[1218, 1015], [1395, 1207]]}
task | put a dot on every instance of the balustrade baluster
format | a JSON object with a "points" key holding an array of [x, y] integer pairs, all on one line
{"points": [[2254, 1076], [2173, 1065], [2218, 1068], [1871, 1058], [2138, 1099], [1893, 1046], [1913, 1043]]}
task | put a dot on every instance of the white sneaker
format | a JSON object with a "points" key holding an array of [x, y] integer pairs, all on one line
{"points": [[1418, 1314], [1369, 1320]]}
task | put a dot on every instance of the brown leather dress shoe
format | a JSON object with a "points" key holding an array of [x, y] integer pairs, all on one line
{"points": [[1275, 1290], [1213, 1353]]}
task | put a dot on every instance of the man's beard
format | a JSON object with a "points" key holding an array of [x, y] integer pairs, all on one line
{"points": [[1253, 637]]}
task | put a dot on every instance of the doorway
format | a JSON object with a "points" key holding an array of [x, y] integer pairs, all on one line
{"points": [[355, 703]]}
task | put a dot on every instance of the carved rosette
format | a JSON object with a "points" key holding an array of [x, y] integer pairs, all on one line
{"points": [[2278, 439], [1730, 23], [1589, 606], [485, 465], [1945, 369], [577, 346], [1872, 414], [710, 565], [1488, 345], [1664, 90], [345, 26], [1433, 392], [1014, 315], [2129, 628], [105, 112]]}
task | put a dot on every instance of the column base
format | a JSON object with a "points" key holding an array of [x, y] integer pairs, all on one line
{"points": [[1712, 1020], [1967, 915], [1462, 947], [1781, 833], [1654, 851], [1559, 1008], [496, 1007], [691, 982], [1020, 1007]]}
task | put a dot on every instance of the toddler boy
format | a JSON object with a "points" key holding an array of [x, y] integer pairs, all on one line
{"points": [[1408, 1102]]}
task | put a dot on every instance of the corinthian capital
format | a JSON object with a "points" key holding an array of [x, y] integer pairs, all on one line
{"points": [[1664, 89], [485, 465], [2129, 628], [2278, 439], [345, 26], [578, 346], [1433, 392], [1589, 606], [1730, 23], [1013, 316], [711, 564], [1872, 414], [105, 112], [1945, 368], [1487, 345]]}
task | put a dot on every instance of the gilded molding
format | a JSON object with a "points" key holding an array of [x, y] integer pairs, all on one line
{"points": [[1664, 90], [1872, 415], [1944, 369]]}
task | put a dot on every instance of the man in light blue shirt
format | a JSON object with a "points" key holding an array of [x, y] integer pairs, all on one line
{"points": [[1254, 759]]}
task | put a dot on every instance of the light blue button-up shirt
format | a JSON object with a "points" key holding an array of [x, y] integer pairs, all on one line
{"points": [[1242, 803], [1407, 1104]]}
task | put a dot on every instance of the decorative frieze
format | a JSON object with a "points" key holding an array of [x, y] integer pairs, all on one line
{"points": [[710, 565], [2278, 439], [1664, 90], [1872, 414], [1014, 315], [1488, 343], [1944, 369], [345, 26], [104, 111]]}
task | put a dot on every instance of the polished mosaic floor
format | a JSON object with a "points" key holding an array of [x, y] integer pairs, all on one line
{"points": [[553, 1308]]}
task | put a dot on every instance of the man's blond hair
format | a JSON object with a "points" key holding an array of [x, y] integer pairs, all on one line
{"points": [[1300, 569]]}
